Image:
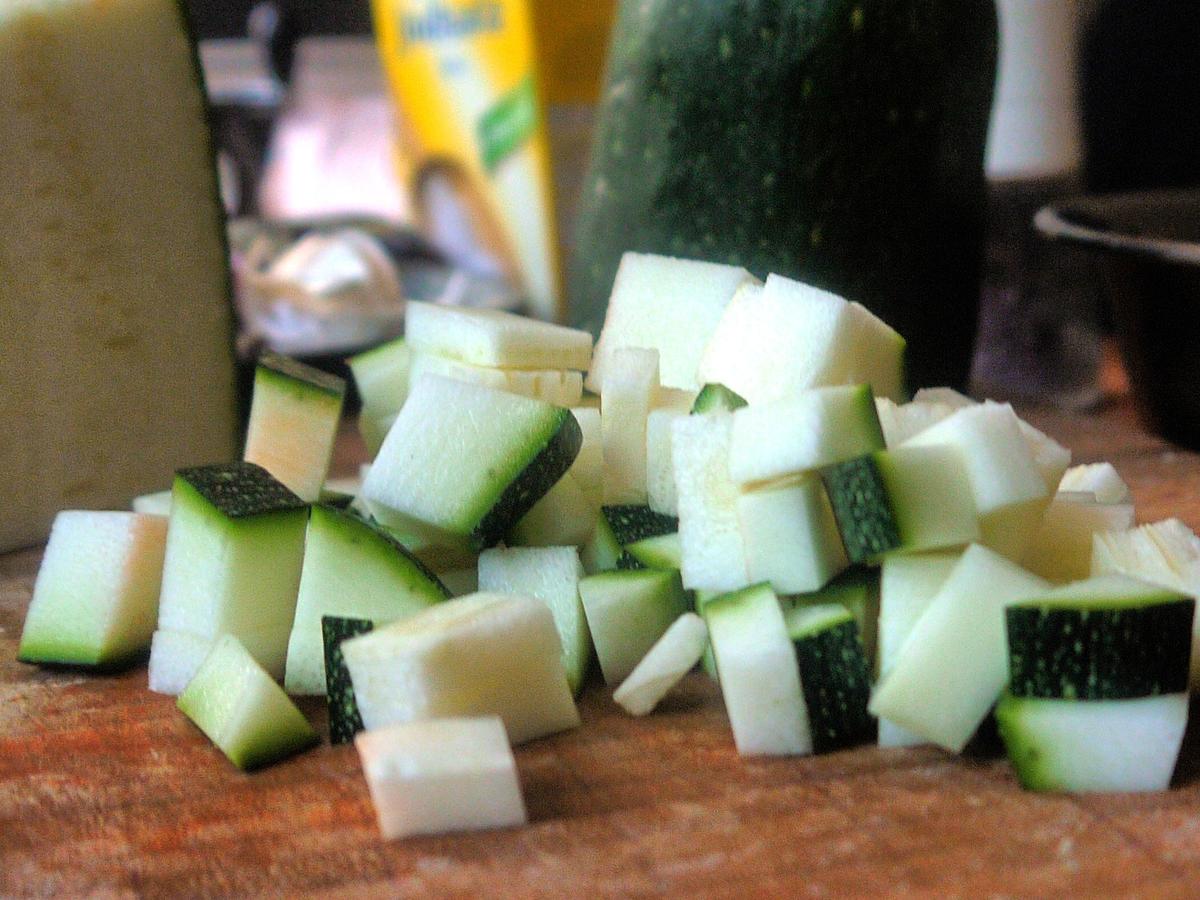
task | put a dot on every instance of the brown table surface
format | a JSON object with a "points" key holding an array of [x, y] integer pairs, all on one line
{"points": [[106, 789]]}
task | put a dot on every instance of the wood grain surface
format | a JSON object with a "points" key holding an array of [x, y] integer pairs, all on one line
{"points": [[107, 790]]}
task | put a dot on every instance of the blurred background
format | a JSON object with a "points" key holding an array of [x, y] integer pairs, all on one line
{"points": [[326, 116]]}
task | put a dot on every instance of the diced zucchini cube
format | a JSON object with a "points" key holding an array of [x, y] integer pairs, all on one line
{"points": [[664, 665], [95, 601], [565, 516], [463, 463], [235, 542], [1061, 550], [1099, 479], [955, 662], [242, 710], [344, 719], [552, 575], [902, 501], [350, 568], [628, 394], [484, 654], [627, 611], [1009, 491], [714, 553], [810, 430], [293, 422], [790, 535], [669, 305], [441, 776], [156, 504], [661, 495], [760, 680], [787, 337], [490, 337]]}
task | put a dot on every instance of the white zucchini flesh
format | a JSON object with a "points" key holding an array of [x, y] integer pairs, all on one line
{"points": [[661, 495], [1098, 745], [443, 775], [903, 421], [588, 468], [552, 575], [156, 504], [1051, 457], [489, 337], [1009, 491], [812, 429], [628, 395], [713, 550], [484, 654], [1100, 479], [786, 337], [564, 517], [672, 656], [907, 585], [1061, 551], [95, 601], [955, 662], [760, 679], [790, 535], [669, 305]]}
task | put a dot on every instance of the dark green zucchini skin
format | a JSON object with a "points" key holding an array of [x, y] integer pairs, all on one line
{"points": [[630, 523], [839, 142], [862, 508], [344, 718], [1063, 653], [240, 490], [836, 681]]}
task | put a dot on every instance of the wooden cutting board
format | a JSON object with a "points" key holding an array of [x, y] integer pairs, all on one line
{"points": [[106, 789]]}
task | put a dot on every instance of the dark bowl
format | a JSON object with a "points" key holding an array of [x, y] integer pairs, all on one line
{"points": [[1148, 247]]}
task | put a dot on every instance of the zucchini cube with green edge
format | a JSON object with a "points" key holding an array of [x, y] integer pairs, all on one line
{"points": [[902, 501], [835, 677], [907, 585], [811, 430], [235, 542], [492, 337], [483, 654], [791, 537], [714, 398], [1166, 553], [660, 551], [856, 590], [618, 527], [463, 463], [1008, 489], [760, 680], [710, 534], [786, 337], [629, 393], [1093, 745], [954, 663], [552, 575], [381, 376], [565, 516], [1110, 637], [293, 422], [627, 611], [667, 304], [442, 775], [351, 568], [95, 601], [664, 665], [243, 710], [1061, 550], [344, 719]]}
